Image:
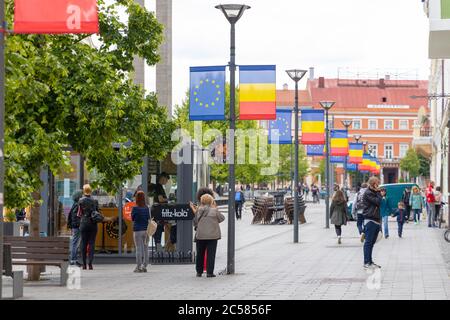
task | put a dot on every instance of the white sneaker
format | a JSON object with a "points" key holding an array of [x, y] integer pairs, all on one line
{"points": [[339, 240], [374, 265]]}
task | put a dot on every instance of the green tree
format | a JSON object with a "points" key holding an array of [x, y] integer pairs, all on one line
{"points": [[410, 163], [424, 166], [286, 171], [245, 173]]}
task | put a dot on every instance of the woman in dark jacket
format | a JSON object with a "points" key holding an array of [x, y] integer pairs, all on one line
{"points": [[338, 212], [73, 223], [372, 220], [88, 227]]}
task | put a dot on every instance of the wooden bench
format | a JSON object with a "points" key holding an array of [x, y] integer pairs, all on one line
{"points": [[289, 208], [7, 270], [43, 251]]}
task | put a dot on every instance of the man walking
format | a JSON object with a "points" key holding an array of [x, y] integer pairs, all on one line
{"points": [[239, 202], [405, 198], [372, 220]]}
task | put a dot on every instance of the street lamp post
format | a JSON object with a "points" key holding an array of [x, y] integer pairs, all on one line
{"points": [[327, 105], [296, 75], [346, 124], [364, 152], [357, 138], [233, 12]]}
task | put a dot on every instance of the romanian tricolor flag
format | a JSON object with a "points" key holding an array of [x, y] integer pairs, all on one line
{"points": [[257, 93], [373, 164], [355, 153], [339, 143], [313, 127], [366, 163]]}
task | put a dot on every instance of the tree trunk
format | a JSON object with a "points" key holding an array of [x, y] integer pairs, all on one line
{"points": [[34, 272]]}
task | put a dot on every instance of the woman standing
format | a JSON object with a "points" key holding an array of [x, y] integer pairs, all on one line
{"points": [[372, 220], [437, 204], [386, 211], [417, 204], [140, 215], [338, 211], [206, 222], [88, 227]]}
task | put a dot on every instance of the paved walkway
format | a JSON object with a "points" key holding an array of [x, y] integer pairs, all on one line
{"points": [[270, 266]]}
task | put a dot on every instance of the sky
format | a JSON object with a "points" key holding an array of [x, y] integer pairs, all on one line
{"points": [[325, 34]]}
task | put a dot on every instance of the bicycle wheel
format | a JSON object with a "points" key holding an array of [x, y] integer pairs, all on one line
{"points": [[447, 235]]}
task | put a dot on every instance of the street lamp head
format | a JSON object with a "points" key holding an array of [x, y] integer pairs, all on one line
{"points": [[327, 105], [233, 12], [357, 137], [296, 74], [347, 123]]}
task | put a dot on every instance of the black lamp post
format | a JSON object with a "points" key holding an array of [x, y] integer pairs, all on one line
{"points": [[296, 75], [233, 12], [364, 151], [346, 124], [357, 137], [327, 105]]}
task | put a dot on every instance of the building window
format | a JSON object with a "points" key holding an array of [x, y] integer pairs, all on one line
{"points": [[356, 124], [388, 124], [404, 124], [373, 124], [416, 124], [373, 149], [384, 99], [388, 151], [403, 149]]}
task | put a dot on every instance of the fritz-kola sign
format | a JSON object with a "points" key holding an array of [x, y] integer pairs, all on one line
{"points": [[172, 212]]}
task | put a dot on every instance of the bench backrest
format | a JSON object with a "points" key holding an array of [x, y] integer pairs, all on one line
{"points": [[39, 248]]}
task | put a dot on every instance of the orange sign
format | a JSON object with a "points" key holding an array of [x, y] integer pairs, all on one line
{"points": [[127, 208]]}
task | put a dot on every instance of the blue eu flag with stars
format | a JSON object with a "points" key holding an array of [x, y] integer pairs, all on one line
{"points": [[283, 124], [207, 93]]}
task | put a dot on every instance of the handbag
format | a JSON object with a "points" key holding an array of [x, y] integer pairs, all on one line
{"points": [[97, 217], [151, 229]]}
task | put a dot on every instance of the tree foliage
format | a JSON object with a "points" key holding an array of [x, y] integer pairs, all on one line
{"points": [[61, 91], [410, 163]]}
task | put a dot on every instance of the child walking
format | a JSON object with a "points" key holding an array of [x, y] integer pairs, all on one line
{"points": [[400, 213]]}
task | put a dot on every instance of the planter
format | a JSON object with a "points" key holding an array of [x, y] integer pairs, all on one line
{"points": [[11, 229]]}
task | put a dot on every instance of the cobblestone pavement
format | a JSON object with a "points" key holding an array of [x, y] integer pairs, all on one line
{"points": [[270, 266]]}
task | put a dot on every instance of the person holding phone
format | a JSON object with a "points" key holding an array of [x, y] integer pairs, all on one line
{"points": [[372, 220]]}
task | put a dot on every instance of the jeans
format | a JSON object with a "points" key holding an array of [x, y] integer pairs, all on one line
{"points": [[360, 222], [386, 226], [74, 245], [371, 230], [431, 214], [141, 244], [88, 239], [238, 208], [437, 211], [408, 211], [400, 228], [417, 213], [338, 230], [209, 247]]}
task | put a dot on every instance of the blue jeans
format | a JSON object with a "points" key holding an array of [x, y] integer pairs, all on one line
{"points": [[417, 214], [360, 222], [386, 226], [74, 245], [371, 230]]}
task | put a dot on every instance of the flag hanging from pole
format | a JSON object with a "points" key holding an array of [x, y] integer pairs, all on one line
{"points": [[56, 16], [339, 143], [207, 93], [365, 165], [280, 131], [313, 127], [352, 166], [315, 150], [355, 153], [337, 159], [257, 92]]}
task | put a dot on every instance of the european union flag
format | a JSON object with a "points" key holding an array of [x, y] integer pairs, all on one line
{"points": [[207, 93], [283, 125], [337, 159], [352, 167], [315, 150]]}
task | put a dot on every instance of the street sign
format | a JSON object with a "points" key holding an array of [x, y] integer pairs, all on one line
{"points": [[172, 212]]}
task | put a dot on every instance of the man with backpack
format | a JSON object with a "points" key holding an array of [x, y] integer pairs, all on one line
{"points": [[239, 202], [357, 209], [405, 199]]}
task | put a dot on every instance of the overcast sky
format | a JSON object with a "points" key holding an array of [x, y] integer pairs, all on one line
{"points": [[324, 34]]}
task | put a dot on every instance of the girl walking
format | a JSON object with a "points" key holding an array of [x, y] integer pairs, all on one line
{"points": [[338, 211], [417, 204], [140, 216]]}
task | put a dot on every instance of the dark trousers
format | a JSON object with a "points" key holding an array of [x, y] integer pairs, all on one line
{"points": [[202, 246], [438, 210], [400, 228], [158, 233], [173, 234], [88, 239], [371, 230], [360, 223], [407, 212], [238, 209], [338, 230]]}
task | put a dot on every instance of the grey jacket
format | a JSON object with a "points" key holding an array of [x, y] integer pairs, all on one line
{"points": [[207, 221]]}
